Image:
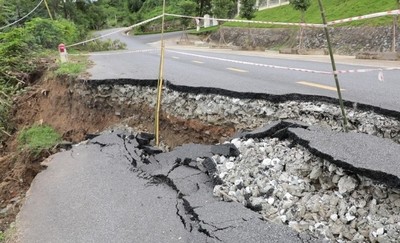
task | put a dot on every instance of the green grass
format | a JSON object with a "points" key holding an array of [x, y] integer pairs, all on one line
{"points": [[70, 69], [334, 9], [38, 138], [75, 66]]}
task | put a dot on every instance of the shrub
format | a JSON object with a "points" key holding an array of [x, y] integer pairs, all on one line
{"points": [[50, 33], [15, 54]]}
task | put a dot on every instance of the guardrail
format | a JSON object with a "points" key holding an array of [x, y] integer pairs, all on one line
{"points": [[264, 4]]}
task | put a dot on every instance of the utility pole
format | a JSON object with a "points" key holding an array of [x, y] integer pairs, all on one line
{"points": [[48, 9]]}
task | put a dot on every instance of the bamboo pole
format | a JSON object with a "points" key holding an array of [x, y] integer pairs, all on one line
{"points": [[160, 81], [333, 65]]}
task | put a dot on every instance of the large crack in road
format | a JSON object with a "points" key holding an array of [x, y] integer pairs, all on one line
{"points": [[190, 181]]}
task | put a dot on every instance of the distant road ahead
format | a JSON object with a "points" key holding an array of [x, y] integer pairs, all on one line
{"points": [[183, 67]]}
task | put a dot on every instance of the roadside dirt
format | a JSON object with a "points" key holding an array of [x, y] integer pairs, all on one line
{"points": [[51, 101]]}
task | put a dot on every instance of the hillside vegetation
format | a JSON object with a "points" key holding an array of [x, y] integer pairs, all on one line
{"points": [[334, 9]]}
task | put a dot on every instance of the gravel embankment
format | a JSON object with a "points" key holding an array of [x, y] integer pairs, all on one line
{"points": [[248, 114]]}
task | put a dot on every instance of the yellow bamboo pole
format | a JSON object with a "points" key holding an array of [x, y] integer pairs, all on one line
{"points": [[48, 9], [335, 76], [160, 80]]}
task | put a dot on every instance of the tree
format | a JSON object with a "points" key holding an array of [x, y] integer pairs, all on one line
{"points": [[97, 17], [223, 8], [248, 9], [187, 7], [302, 6], [204, 6]]}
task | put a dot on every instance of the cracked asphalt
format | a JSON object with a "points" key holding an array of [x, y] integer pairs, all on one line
{"points": [[117, 188]]}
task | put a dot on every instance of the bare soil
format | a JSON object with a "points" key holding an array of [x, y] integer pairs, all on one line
{"points": [[52, 101]]}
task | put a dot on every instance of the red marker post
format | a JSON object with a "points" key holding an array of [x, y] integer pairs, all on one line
{"points": [[63, 52]]}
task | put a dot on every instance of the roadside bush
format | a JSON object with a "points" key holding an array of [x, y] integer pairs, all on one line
{"points": [[38, 138], [5, 103], [19, 46], [15, 54], [50, 33]]}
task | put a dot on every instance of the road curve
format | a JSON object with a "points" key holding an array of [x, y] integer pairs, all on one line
{"points": [[241, 71]]}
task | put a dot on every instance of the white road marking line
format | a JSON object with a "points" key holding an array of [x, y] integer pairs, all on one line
{"points": [[197, 62], [174, 57]]}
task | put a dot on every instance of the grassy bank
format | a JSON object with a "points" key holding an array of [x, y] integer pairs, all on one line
{"points": [[335, 9]]}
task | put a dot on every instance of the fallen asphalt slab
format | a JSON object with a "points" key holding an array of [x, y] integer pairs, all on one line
{"points": [[116, 189], [363, 154]]}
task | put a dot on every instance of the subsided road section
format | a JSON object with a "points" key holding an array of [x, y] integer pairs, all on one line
{"points": [[104, 191]]}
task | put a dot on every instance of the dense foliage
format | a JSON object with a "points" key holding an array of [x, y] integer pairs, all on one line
{"points": [[223, 8], [248, 9], [19, 46], [97, 14]]}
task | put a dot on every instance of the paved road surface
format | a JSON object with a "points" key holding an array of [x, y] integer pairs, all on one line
{"points": [[104, 192], [181, 67]]}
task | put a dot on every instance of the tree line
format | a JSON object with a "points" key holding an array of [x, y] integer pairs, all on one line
{"points": [[98, 14]]}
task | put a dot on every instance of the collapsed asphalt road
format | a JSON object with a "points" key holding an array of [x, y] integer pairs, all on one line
{"points": [[116, 188], [108, 189]]}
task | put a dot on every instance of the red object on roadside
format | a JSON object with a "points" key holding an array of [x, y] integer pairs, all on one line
{"points": [[61, 48]]}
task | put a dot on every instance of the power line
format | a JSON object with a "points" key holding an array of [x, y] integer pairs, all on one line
{"points": [[15, 22]]}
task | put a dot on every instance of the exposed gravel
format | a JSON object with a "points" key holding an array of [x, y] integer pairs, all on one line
{"points": [[286, 183], [248, 114]]}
